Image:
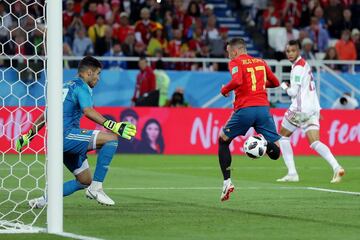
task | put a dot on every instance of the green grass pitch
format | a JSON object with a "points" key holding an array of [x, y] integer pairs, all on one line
{"points": [[177, 197]]}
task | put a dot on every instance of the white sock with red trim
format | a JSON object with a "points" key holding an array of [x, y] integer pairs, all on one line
{"points": [[325, 152]]}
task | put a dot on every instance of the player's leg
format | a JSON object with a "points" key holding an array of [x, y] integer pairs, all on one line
{"points": [[238, 124], [78, 165], [312, 134], [287, 128], [224, 155], [265, 126], [107, 143]]}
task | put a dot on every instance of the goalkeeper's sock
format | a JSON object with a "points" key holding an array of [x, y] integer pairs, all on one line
{"points": [[106, 154], [224, 158], [325, 152], [288, 155], [72, 186]]}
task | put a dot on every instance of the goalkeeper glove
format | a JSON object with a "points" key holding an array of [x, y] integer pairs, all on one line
{"points": [[124, 129], [24, 140]]}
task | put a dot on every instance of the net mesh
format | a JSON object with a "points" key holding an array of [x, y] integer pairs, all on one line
{"points": [[22, 96]]}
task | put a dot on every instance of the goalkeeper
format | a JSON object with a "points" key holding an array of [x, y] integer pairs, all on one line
{"points": [[77, 101]]}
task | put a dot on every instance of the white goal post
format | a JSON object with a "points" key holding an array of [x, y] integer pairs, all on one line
{"points": [[31, 85]]}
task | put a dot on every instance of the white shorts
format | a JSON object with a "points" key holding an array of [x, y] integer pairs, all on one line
{"points": [[294, 120]]}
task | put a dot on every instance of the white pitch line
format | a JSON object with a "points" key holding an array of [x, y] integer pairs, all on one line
{"points": [[164, 188], [77, 236], [333, 191]]}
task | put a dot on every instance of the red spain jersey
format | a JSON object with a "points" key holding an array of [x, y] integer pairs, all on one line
{"points": [[249, 79]]}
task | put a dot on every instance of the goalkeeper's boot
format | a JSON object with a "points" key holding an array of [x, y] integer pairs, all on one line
{"points": [[227, 190], [98, 194], [289, 178], [37, 202], [338, 174]]}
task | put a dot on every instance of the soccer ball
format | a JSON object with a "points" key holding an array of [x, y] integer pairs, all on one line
{"points": [[255, 146]]}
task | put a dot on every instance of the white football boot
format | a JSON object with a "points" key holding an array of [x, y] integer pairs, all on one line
{"points": [[227, 190], [37, 202], [289, 178], [338, 174], [96, 192]]}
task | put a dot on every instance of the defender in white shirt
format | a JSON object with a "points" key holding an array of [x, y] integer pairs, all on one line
{"points": [[304, 113]]}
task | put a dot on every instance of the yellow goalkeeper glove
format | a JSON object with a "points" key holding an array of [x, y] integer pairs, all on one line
{"points": [[124, 129], [24, 140]]}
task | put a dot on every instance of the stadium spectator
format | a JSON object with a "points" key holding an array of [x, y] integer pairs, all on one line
{"points": [[292, 11], [82, 45], [355, 37], [112, 16], [152, 140], [334, 16], [128, 146], [103, 7], [308, 11], [145, 84], [211, 32], [191, 19], [168, 25], [89, 17], [291, 32], [271, 17], [176, 47], [208, 12], [157, 42], [319, 13], [129, 44], [115, 51], [318, 35], [97, 35], [331, 54], [347, 23], [162, 82], [74, 26], [144, 27], [346, 101], [307, 47], [345, 48], [68, 13], [122, 29], [139, 49], [177, 99], [68, 52], [218, 45], [195, 43], [355, 13]]}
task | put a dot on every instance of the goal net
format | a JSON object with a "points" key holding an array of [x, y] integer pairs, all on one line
{"points": [[23, 85]]}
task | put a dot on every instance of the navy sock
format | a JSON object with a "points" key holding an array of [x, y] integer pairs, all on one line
{"points": [[72, 186], [106, 154], [224, 158]]}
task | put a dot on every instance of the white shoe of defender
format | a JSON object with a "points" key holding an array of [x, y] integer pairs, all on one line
{"points": [[289, 178], [338, 174], [99, 196], [227, 190], [37, 202]]}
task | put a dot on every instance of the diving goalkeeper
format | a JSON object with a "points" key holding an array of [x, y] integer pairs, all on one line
{"points": [[77, 101]]}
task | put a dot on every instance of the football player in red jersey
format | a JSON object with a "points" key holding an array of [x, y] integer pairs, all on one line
{"points": [[249, 79]]}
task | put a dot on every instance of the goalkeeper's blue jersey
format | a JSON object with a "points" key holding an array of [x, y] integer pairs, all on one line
{"points": [[77, 95]]}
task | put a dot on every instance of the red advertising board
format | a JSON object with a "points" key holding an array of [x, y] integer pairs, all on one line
{"points": [[191, 130]]}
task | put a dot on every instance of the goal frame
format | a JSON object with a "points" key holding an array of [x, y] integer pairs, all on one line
{"points": [[54, 112]]}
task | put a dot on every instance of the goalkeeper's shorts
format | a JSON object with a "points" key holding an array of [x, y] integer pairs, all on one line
{"points": [[77, 142]]}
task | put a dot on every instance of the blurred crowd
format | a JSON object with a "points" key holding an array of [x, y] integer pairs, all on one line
{"points": [[326, 29], [172, 28]]}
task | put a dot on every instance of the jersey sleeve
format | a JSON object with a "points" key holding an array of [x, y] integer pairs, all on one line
{"points": [[84, 97], [272, 80], [296, 75], [236, 78]]}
